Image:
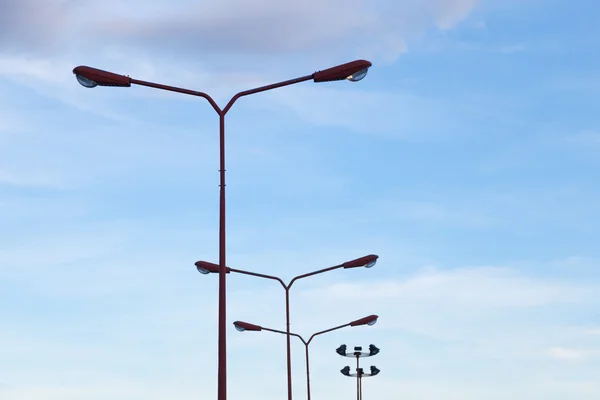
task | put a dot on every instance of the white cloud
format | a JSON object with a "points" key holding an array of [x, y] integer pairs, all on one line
{"points": [[31, 179], [36, 25], [10, 179], [35, 68], [513, 48], [232, 26], [450, 12], [586, 138], [500, 312], [394, 115], [467, 287], [435, 213], [572, 354], [480, 25]]}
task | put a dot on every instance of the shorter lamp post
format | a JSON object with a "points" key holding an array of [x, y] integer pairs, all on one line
{"points": [[360, 373], [244, 326], [368, 261]]}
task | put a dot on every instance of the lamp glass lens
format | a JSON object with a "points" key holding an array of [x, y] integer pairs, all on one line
{"points": [[357, 76], [88, 83]]}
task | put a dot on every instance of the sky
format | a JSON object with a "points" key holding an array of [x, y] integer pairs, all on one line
{"points": [[467, 159]]}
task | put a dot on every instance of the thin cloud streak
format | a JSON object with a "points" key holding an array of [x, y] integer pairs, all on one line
{"points": [[232, 26]]}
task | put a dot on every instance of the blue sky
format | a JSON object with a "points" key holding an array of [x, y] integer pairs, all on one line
{"points": [[467, 160]]}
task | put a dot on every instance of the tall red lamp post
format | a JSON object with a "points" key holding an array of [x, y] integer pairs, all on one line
{"points": [[369, 261], [91, 77], [244, 326]]}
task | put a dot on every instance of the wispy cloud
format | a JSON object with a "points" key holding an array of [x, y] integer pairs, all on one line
{"points": [[18, 18], [470, 287], [449, 13], [586, 138], [395, 115], [430, 212], [30, 180], [513, 48], [233, 26], [572, 354]]}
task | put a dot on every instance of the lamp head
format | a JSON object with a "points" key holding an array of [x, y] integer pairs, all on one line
{"points": [[341, 350], [205, 267], [370, 320], [91, 77], [374, 370], [353, 71], [366, 261], [245, 326], [345, 370]]}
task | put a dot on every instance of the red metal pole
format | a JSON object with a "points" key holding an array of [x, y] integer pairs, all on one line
{"points": [[307, 374], [222, 352], [288, 336]]}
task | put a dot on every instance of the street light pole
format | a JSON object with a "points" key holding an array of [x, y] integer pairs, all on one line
{"points": [[205, 267], [244, 326], [91, 77], [360, 373]]}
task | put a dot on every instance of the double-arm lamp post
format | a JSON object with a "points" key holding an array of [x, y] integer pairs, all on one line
{"points": [[91, 77], [244, 326], [205, 267]]}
